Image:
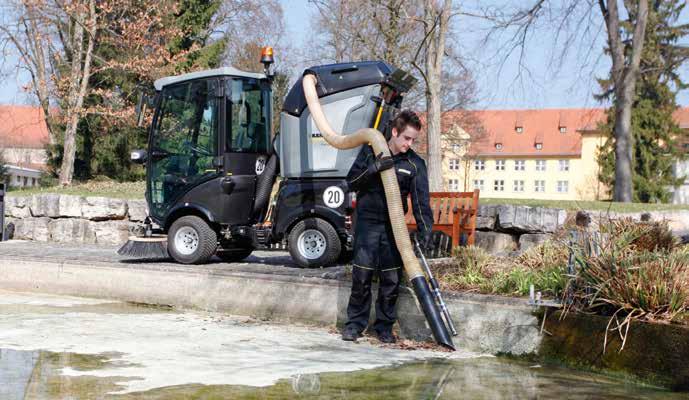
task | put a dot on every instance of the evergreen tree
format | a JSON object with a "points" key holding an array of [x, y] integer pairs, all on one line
{"points": [[655, 133]]}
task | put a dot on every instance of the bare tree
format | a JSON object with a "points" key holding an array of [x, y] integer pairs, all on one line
{"points": [[435, 21], [577, 16], [625, 71], [411, 34]]}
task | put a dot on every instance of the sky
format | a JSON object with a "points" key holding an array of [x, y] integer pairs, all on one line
{"points": [[501, 82]]}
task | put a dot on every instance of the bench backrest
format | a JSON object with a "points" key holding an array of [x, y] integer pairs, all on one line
{"points": [[453, 213]]}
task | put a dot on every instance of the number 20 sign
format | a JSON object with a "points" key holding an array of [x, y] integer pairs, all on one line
{"points": [[333, 197]]}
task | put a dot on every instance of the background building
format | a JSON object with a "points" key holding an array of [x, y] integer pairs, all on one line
{"points": [[530, 154], [23, 137]]}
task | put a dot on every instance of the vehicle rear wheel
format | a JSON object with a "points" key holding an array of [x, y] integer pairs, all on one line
{"points": [[234, 255], [313, 242], [191, 241]]}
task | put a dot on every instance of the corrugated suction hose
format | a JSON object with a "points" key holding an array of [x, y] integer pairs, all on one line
{"points": [[392, 195]]}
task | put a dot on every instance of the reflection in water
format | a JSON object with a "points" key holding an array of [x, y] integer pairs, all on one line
{"points": [[37, 375]]}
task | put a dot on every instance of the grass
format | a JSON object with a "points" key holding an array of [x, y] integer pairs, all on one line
{"points": [[473, 269], [104, 188], [586, 205]]}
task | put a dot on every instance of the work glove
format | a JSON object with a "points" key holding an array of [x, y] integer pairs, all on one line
{"points": [[381, 163]]}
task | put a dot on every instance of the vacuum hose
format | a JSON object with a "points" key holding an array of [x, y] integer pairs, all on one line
{"points": [[393, 198]]}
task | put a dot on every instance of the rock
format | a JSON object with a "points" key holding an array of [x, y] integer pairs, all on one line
{"points": [[529, 219], [45, 205], [488, 210], [110, 232], [495, 242], [529, 240], [103, 208], [18, 207], [32, 229], [137, 210], [70, 206], [485, 223], [71, 230]]}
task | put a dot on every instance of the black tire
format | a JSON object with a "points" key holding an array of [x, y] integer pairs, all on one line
{"points": [[191, 241], [313, 242], [234, 255]]}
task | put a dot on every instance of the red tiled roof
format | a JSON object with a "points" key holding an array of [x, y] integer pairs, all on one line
{"points": [[491, 127], [521, 132], [22, 126]]}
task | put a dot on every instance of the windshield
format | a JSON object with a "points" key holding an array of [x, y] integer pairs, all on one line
{"points": [[248, 111]]}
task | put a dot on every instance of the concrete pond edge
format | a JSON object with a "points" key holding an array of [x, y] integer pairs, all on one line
{"points": [[654, 354]]}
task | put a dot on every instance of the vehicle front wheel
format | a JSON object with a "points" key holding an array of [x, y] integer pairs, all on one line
{"points": [[313, 242], [191, 241]]}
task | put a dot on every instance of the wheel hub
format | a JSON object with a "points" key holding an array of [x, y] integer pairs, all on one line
{"points": [[311, 244], [186, 240]]}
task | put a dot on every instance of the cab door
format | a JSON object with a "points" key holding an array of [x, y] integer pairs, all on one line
{"points": [[183, 144]]}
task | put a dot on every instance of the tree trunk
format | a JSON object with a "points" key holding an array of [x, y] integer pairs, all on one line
{"points": [[437, 21], [80, 74], [624, 76]]}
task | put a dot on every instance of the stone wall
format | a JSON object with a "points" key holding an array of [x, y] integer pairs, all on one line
{"points": [[75, 219], [504, 229]]}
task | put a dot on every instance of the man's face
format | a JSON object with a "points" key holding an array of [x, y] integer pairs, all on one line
{"points": [[402, 141]]}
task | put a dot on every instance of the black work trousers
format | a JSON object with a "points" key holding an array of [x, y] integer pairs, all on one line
{"points": [[375, 253]]}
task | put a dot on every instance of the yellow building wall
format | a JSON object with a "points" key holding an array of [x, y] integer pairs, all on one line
{"points": [[581, 177]]}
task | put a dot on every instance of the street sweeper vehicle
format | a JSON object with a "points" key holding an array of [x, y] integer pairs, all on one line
{"points": [[211, 164], [212, 161]]}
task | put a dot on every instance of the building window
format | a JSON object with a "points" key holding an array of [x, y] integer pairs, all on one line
{"points": [[456, 147], [519, 165], [539, 186], [25, 180], [453, 184], [499, 185], [519, 129], [19, 179], [563, 129], [540, 165], [478, 184], [33, 181], [564, 165], [499, 165], [454, 164], [480, 165], [498, 146], [518, 186], [562, 186]]}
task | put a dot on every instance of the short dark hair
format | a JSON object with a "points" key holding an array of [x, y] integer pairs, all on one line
{"points": [[406, 118]]}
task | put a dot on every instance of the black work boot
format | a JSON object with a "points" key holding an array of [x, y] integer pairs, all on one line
{"points": [[350, 334], [387, 337]]}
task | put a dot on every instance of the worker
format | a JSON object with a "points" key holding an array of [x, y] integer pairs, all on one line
{"points": [[375, 251]]}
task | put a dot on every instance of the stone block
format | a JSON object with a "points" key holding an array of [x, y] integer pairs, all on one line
{"points": [[529, 240], [137, 210], [70, 206], [527, 219], [18, 207], [32, 229], [103, 208], [71, 230], [485, 223], [110, 232], [45, 205], [495, 242], [488, 210]]}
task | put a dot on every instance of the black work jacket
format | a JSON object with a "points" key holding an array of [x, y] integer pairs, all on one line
{"points": [[412, 177]]}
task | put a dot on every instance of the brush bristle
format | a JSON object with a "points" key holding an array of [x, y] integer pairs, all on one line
{"points": [[139, 249]]}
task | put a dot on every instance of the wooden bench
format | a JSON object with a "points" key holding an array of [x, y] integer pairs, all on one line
{"points": [[454, 213]]}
